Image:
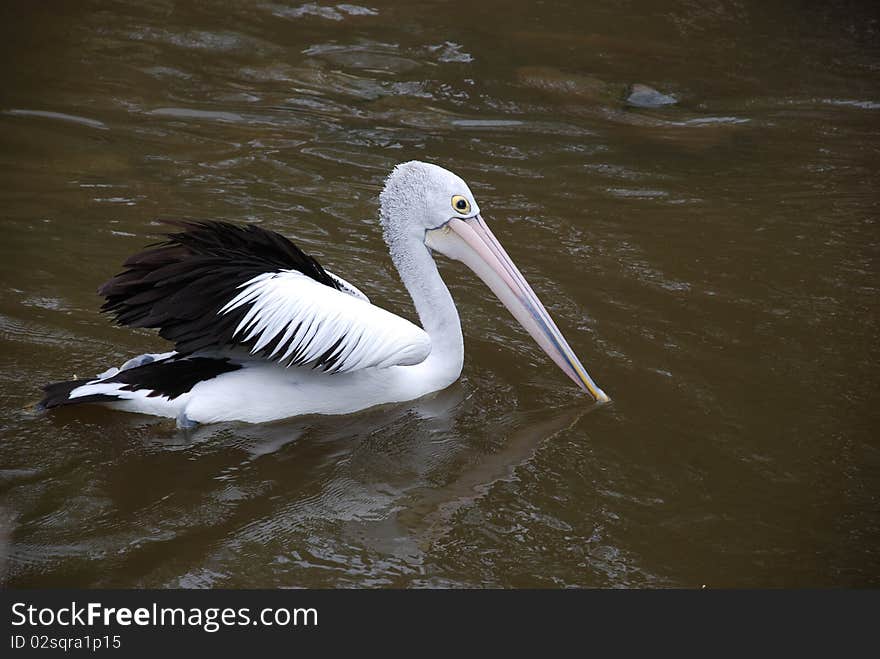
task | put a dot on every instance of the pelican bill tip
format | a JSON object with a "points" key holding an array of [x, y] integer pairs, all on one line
{"points": [[595, 393]]}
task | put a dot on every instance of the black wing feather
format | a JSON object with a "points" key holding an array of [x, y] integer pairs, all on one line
{"points": [[170, 377], [180, 284], [58, 394]]}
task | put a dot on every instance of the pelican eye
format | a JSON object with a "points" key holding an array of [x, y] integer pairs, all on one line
{"points": [[461, 204]]}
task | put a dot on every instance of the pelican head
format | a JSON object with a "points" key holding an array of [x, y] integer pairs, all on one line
{"points": [[431, 205]]}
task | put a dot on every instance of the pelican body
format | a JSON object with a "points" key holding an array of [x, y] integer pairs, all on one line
{"points": [[262, 332]]}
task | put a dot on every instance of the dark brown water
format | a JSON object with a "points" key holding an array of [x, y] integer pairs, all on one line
{"points": [[714, 263]]}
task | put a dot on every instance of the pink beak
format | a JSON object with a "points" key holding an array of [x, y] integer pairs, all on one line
{"points": [[481, 252]]}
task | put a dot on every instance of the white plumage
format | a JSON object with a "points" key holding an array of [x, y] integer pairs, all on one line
{"points": [[305, 319], [261, 331]]}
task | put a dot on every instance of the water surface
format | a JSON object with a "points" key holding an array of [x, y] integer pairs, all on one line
{"points": [[714, 263]]}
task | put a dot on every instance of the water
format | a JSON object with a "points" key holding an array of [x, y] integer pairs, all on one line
{"points": [[713, 262]]}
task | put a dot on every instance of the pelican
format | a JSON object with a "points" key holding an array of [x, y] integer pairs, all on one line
{"points": [[262, 332]]}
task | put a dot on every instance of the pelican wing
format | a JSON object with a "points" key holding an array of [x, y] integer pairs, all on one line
{"points": [[347, 287], [296, 320], [216, 285]]}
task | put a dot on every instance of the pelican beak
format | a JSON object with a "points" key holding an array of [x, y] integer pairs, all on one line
{"points": [[471, 242]]}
